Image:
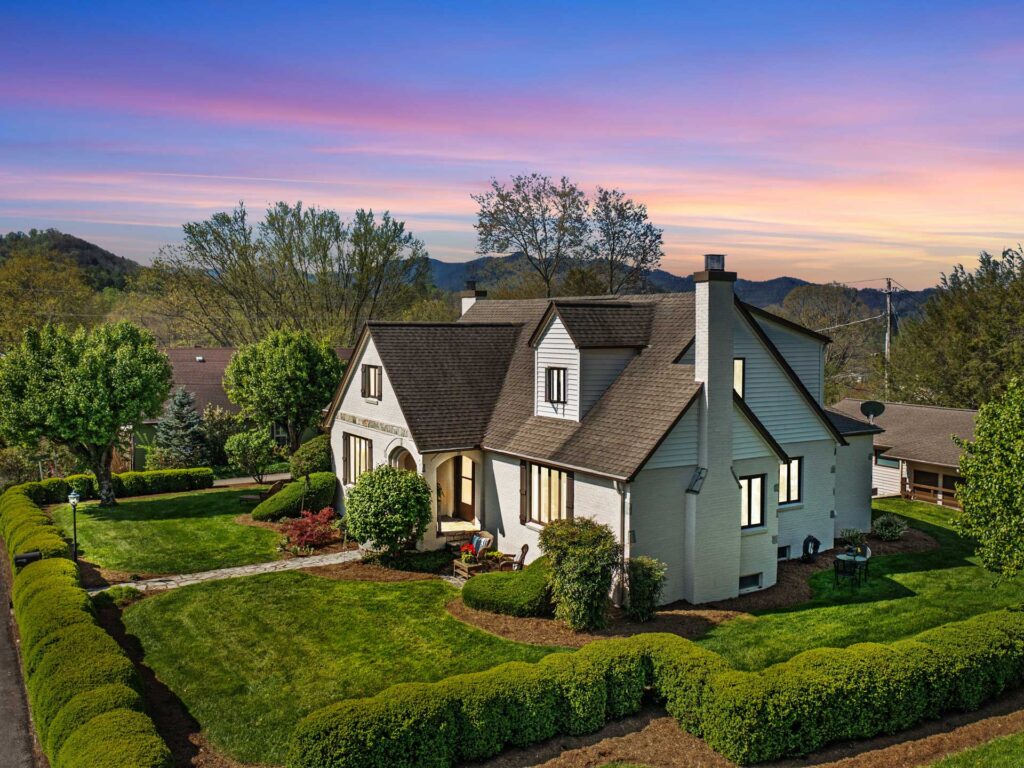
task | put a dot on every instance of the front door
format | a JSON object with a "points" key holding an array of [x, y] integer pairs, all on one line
{"points": [[465, 487]]}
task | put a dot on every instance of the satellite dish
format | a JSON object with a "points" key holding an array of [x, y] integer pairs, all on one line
{"points": [[872, 409]]}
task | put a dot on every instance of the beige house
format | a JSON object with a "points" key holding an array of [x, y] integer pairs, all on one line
{"points": [[691, 424], [915, 457]]}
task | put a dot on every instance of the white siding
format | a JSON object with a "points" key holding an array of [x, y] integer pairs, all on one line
{"points": [[770, 393], [679, 448], [853, 483], [758, 551], [812, 515], [886, 480], [600, 367], [594, 497], [747, 442], [805, 355], [556, 349], [658, 498]]}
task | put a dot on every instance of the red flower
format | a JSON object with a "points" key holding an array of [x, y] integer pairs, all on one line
{"points": [[468, 547]]}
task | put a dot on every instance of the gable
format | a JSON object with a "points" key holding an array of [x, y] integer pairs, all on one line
{"points": [[747, 442], [805, 354], [353, 406], [771, 394], [679, 448], [555, 348]]}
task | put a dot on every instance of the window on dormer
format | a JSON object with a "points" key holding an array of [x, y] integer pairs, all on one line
{"points": [[555, 390], [372, 381], [739, 375]]}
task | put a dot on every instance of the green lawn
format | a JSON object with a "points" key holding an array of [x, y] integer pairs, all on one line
{"points": [[1006, 752], [172, 533], [906, 594], [251, 656]]}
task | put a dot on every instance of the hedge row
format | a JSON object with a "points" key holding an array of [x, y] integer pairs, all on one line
{"points": [[83, 690], [294, 497], [789, 709], [514, 593], [55, 490]]}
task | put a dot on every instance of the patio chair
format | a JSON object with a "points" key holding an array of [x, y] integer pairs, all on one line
{"points": [[848, 570], [482, 542], [256, 498], [513, 563]]}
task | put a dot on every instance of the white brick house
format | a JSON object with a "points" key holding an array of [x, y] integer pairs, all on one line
{"points": [[691, 424]]}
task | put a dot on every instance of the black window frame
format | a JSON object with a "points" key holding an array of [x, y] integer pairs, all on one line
{"points": [[758, 581], [566, 509], [760, 523], [372, 381], [551, 393], [788, 468], [743, 376], [347, 439]]}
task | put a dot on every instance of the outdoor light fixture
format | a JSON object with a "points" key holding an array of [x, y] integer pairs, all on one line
{"points": [[697, 481], [73, 499]]}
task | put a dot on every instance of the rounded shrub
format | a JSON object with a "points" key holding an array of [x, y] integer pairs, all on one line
{"points": [[86, 705], [513, 593], [314, 455], [57, 568], [51, 611], [77, 638], [389, 507], [889, 527], [121, 738], [584, 558], [645, 580], [296, 496]]}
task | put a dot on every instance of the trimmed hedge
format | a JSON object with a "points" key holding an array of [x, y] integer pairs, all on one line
{"points": [[314, 455], [83, 689], [55, 490], [288, 502], [514, 593], [789, 709]]}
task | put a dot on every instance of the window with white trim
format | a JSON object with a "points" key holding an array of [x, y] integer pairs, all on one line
{"points": [[790, 479], [372, 381], [358, 457], [752, 501], [555, 389], [739, 375]]}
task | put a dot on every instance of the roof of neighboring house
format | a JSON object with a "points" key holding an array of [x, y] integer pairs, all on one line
{"points": [[650, 394], [200, 370], [447, 376], [848, 426], [601, 324], [921, 433]]}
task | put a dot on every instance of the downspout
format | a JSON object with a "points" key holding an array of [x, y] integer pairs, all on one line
{"points": [[624, 514]]}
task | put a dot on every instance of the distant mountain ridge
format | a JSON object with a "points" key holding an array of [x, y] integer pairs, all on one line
{"points": [[102, 268], [449, 276]]}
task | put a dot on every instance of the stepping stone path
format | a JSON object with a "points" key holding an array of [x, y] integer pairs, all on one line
{"points": [[275, 566]]}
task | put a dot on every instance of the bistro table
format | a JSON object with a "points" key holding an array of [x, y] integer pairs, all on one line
{"points": [[858, 562]]}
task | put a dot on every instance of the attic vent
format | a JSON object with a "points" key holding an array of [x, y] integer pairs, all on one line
{"points": [[200, 359]]}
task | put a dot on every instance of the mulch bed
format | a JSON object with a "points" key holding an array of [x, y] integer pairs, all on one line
{"points": [[359, 571]]}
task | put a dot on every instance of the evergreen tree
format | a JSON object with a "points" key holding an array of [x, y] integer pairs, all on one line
{"points": [[180, 439]]}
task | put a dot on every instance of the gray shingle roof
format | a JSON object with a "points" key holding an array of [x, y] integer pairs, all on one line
{"points": [[447, 376], [920, 433], [650, 394], [606, 323], [849, 426]]}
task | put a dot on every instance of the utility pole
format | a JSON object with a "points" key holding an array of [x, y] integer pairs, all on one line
{"points": [[888, 331]]}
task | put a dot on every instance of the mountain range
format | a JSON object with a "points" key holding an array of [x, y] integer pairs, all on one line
{"points": [[452, 276]]}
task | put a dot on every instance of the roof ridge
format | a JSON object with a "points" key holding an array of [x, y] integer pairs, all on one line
{"points": [[913, 405]]}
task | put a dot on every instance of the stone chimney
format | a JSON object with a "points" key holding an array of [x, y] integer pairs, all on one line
{"points": [[470, 296], [713, 515]]}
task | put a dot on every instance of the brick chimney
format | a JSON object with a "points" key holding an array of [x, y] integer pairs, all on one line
{"points": [[470, 295]]}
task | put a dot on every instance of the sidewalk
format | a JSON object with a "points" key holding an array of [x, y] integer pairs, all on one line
{"points": [[275, 566], [15, 729], [226, 482]]}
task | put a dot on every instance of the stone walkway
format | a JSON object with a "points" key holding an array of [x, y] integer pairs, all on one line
{"points": [[275, 566], [227, 482]]}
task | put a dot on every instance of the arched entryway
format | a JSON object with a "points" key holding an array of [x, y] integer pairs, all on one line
{"points": [[402, 459], [456, 482]]}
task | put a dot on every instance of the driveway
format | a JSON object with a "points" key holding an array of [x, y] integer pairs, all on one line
{"points": [[15, 733]]}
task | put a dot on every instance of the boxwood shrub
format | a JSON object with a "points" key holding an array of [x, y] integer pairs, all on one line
{"points": [[789, 709], [55, 490], [514, 593], [314, 455], [83, 689], [294, 497]]}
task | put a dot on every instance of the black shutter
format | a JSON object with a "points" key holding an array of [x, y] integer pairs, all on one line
{"points": [[547, 385], [524, 487], [570, 494], [369, 455], [344, 458]]}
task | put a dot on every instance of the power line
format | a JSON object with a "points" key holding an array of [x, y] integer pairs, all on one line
{"points": [[853, 322]]}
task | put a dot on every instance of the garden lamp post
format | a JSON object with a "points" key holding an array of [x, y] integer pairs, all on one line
{"points": [[73, 498]]}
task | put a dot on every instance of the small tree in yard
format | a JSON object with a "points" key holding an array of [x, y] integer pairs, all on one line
{"points": [[251, 452], [218, 426], [81, 390], [584, 557], [388, 507], [180, 441], [992, 466], [313, 456], [645, 577]]}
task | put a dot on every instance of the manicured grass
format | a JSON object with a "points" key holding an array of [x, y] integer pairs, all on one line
{"points": [[906, 594], [249, 657], [172, 533], [1005, 752]]}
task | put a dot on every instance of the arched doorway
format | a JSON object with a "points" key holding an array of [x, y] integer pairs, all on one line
{"points": [[402, 459], [456, 480]]}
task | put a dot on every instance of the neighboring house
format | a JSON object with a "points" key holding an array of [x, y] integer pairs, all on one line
{"points": [[200, 370], [916, 457], [691, 424]]}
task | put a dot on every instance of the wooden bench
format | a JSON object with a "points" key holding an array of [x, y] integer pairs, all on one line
{"points": [[256, 498]]}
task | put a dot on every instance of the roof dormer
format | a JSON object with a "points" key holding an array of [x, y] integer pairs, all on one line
{"points": [[581, 347]]}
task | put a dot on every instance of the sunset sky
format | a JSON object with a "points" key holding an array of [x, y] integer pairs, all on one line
{"points": [[843, 141]]}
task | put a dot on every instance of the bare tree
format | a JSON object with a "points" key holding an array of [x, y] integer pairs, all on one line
{"points": [[626, 244], [546, 222]]}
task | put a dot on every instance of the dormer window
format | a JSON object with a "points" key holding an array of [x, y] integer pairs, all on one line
{"points": [[372, 381], [555, 390], [739, 375]]}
